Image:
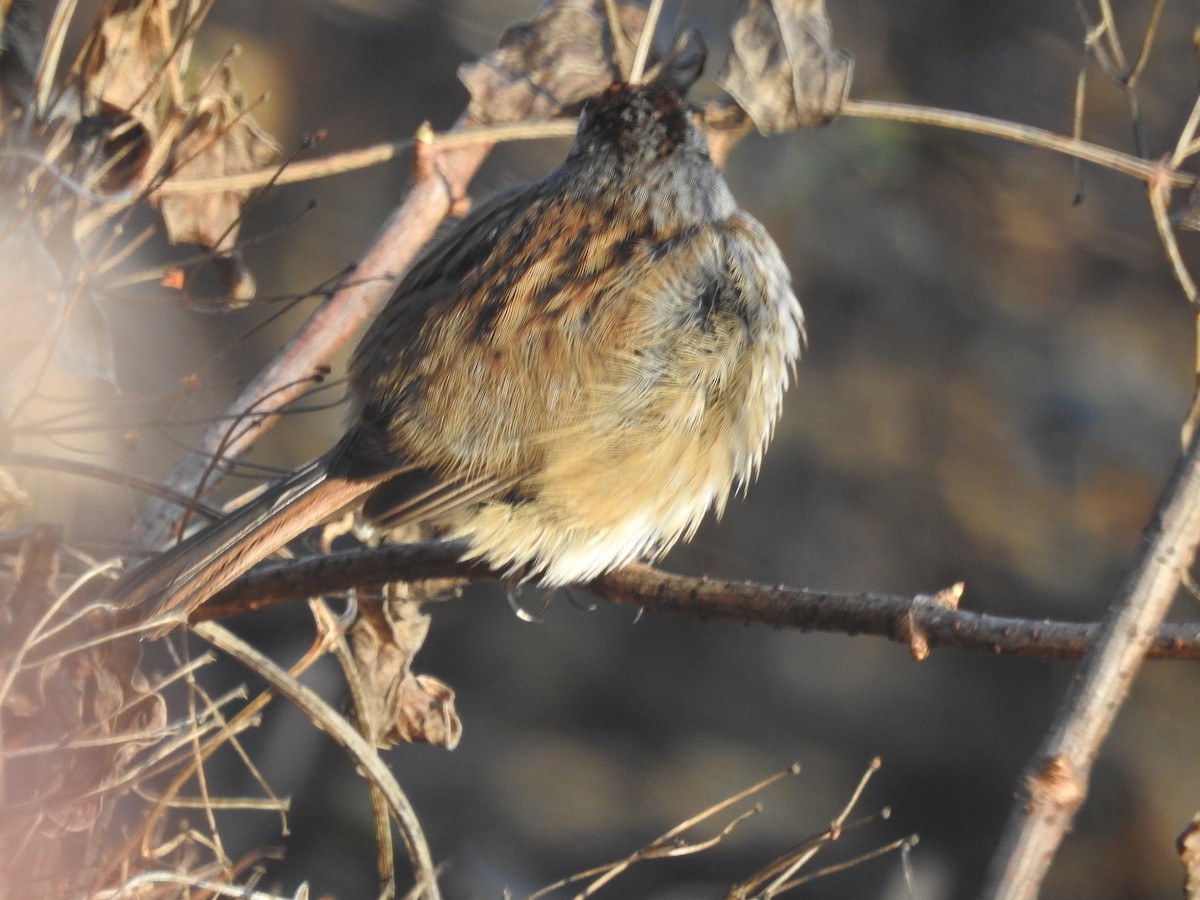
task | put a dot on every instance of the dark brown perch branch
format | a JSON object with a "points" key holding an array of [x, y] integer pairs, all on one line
{"points": [[899, 618]]}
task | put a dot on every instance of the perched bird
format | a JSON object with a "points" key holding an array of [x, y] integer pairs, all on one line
{"points": [[569, 378]]}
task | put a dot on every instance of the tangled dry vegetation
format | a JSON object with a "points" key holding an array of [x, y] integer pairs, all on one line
{"points": [[102, 759]]}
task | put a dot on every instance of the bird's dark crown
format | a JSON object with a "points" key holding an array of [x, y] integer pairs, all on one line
{"points": [[636, 122]]}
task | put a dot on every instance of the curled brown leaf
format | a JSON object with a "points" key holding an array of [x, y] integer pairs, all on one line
{"points": [[218, 137], [122, 79], [541, 67], [402, 707], [564, 55], [783, 68]]}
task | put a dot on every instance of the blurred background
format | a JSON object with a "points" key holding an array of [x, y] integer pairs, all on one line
{"points": [[992, 393]]}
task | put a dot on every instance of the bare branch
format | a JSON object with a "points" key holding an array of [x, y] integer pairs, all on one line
{"points": [[900, 618], [364, 157], [1055, 783], [672, 842]]}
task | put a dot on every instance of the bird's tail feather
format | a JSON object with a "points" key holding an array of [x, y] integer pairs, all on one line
{"points": [[182, 578]]}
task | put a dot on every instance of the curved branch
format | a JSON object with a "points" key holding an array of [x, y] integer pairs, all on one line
{"points": [[921, 623], [1144, 170], [364, 755]]}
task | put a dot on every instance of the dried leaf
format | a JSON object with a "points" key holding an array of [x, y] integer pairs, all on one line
{"points": [[1188, 845], [560, 58], [401, 707], [122, 82], [126, 63], [219, 138], [783, 68], [427, 714], [94, 693], [131, 80], [541, 67]]}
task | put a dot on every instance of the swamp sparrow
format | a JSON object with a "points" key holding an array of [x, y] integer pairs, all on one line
{"points": [[568, 379]]}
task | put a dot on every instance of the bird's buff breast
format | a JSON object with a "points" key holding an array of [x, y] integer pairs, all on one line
{"points": [[666, 409]]}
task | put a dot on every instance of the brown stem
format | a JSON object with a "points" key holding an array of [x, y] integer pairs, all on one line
{"points": [[1055, 782]]}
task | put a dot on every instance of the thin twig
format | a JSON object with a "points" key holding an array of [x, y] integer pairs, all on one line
{"points": [[333, 634], [668, 840], [240, 721], [1148, 36], [376, 154], [159, 878], [1159, 194], [112, 476], [1124, 163], [670, 844], [903, 845], [363, 754], [364, 157], [620, 46], [637, 70], [781, 871], [1183, 145], [52, 45]]}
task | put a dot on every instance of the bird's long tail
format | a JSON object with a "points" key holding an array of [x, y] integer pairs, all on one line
{"points": [[180, 579]]}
